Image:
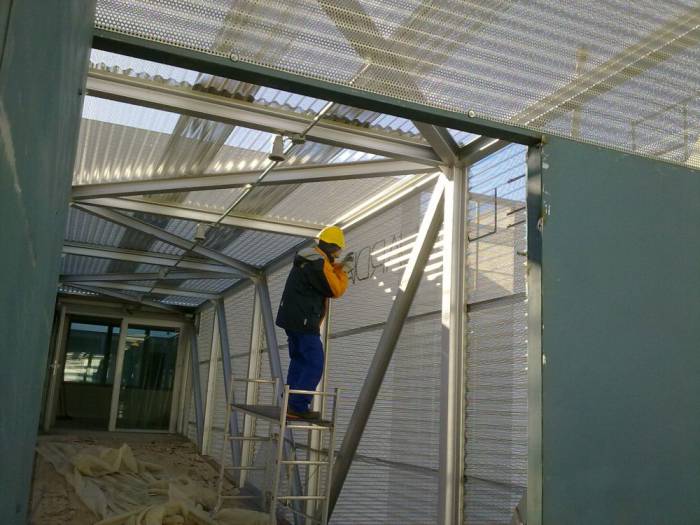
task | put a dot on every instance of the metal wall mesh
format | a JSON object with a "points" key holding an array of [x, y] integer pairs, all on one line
{"points": [[204, 341], [496, 366], [394, 476], [617, 73]]}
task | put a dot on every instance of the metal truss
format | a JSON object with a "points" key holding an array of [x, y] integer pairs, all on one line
{"points": [[170, 238], [155, 290], [222, 109], [143, 276], [192, 214], [284, 175], [142, 257]]}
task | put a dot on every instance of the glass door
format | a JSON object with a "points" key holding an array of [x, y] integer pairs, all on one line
{"points": [[85, 393], [148, 371]]}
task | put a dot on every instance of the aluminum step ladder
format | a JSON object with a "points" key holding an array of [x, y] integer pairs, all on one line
{"points": [[280, 430], [242, 440]]}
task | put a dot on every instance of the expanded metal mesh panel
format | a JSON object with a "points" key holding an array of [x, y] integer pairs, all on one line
{"points": [[401, 438], [588, 71], [496, 365]]}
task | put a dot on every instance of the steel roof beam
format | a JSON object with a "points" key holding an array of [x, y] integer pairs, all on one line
{"points": [[285, 175], [191, 214], [141, 257], [480, 149], [223, 109], [441, 141], [157, 290], [144, 276], [125, 297], [170, 238]]}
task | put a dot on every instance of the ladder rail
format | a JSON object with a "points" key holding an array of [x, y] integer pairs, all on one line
{"points": [[280, 455], [222, 459], [280, 458], [331, 458]]}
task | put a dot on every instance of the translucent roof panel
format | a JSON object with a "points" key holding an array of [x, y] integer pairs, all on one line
{"points": [[76, 264], [323, 202], [175, 300], [86, 228], [121, 142], [259, 248], [567, 67]]}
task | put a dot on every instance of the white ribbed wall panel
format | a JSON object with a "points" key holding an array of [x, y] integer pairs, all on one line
{"points": [[496, 364], [204, 341]]}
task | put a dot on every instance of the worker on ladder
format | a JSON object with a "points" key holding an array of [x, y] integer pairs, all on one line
{"points": [[316, 276]]}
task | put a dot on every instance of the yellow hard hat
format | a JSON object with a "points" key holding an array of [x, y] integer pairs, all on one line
{"points": [[332, 235]]}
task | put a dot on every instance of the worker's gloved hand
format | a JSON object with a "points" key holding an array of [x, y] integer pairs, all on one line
{"points": [[348, 262]]}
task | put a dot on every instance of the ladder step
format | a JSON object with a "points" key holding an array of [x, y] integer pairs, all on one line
{"points": [[299, 513], [313, 393], [302, 498], [244, 468], [302, 462], [247, 438], [308, 426], [262, 381]]}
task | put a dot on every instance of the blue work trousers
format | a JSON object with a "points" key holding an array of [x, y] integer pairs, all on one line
{"points": [[305, 367]]}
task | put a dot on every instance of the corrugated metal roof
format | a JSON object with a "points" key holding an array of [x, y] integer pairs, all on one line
{"points": [[259, 248], [124, 142]]}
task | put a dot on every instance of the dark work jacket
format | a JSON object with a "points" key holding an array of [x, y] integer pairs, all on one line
{"points": [[311, 282]]}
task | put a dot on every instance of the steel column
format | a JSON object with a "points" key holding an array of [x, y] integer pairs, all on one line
{"points": [[119, 366], [252, 389], [273, 353], [196, 388], [534, 335], [56, 368], [428, 232], [214, 351], [226, 365], [452, 358]]}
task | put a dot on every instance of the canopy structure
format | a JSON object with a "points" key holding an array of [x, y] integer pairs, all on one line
{"points": [[174, 197]]}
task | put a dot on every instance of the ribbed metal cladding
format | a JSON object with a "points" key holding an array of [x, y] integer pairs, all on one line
{"points": [[617, 73], [393, 479], [496, 365], [204, 341]]}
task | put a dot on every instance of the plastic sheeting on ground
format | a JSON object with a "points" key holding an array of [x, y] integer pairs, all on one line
{"points": [[125, 491]]}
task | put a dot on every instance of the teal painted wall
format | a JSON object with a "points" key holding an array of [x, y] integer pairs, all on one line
{"points": [[621, 339], [43, 61]]}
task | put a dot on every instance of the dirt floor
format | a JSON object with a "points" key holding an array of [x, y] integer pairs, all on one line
{"points": [[55, 502]]}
